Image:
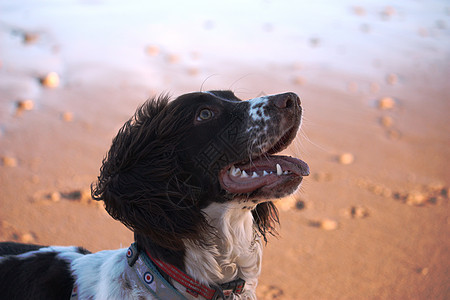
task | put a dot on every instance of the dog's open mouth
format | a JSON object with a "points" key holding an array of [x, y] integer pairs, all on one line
{"points": [[264, 171]]}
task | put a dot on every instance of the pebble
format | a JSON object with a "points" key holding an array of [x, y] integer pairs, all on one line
{"points": [[328, 224], [67, 116], [286, 204], [325, 224], [416, 198], [386, 121], [359, 212], [394, 134], [346, 158], [152, 50], [55, 196], [27, 238], [423, 271], [30, 38], [173, 58], [193, 71], [392, 79], [322, 176], [300, 204], [360, 11], [25, 104], [9, 161], [374, 87], [386, 103], [51, 80], [269, 292], [388, 12], [299, 80]]}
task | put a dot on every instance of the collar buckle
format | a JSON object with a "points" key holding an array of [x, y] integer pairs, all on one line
{"points": [[226, 290]]}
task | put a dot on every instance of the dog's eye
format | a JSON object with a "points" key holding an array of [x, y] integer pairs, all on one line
{"points": [[205, 114]]}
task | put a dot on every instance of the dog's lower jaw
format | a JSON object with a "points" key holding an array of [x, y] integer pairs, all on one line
{"points": [[232, 251]]}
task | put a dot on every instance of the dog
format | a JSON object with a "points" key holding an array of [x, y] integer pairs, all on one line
{"points": [[194, 179]]}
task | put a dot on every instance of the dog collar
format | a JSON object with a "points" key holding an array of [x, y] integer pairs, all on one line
{"points": [[145, 267]]}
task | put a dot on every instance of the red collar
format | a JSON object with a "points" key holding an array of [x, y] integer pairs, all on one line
{"points": [[195, 288]]}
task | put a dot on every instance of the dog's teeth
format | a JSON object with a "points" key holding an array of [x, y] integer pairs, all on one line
{"points": [[235, 171], [285, 172], [279, 170], [255, 175], [265, 173], [244, 174]]}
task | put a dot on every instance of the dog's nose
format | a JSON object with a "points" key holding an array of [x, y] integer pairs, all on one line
{"points": [[286, 100]]}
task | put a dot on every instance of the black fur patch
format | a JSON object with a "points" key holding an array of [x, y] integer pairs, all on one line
{"points": [[39, 276]]}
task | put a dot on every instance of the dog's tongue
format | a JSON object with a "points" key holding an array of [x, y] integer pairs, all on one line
{"points": [[262, 171]]}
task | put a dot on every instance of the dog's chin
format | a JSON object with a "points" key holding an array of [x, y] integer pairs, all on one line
{"points": [[265, 177]]}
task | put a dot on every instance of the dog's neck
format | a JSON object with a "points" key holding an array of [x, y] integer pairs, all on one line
{"points": [[233, 249]]}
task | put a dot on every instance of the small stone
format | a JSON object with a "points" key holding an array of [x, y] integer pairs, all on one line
{"points": [[394, 134], [423, 271], [25, 104], [86, 196], [27, 238], [386, 121], [423, 32], [322, 176], [173, 58], [392, 79], [286, 204], [9, 161], [346, 158], [152, 50], [193, 71], [328, 224], [374, 87], [388, 12], [445, 192], [386, 103], [298, 80], [67, 116], [358, 10], [51, 80], [55, 196], [30, 37], [300, 204], [416, 198], [35, 179], [386, 192], [359, 212]]}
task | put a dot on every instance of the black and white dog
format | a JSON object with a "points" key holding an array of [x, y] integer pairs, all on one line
{"points": [[193, 179]]}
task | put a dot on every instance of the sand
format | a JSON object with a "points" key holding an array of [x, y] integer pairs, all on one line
{"points": [[371, 222]]}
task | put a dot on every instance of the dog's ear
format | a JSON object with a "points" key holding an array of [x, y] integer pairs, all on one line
{"points": [[141, 183], [266, 218], [164, 217]]}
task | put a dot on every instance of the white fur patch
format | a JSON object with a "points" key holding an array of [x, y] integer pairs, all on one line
{"points": [[256, 110], [235, 250], [67, 253]]}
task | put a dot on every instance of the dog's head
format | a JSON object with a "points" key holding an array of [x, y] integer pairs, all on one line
{"points": [[172, 159]]}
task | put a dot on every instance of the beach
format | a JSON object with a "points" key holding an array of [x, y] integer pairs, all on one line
{"points": [[372, 221]]}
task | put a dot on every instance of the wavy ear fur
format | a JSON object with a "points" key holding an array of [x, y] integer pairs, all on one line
{"points": [[142, 184], [266, 218]]}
